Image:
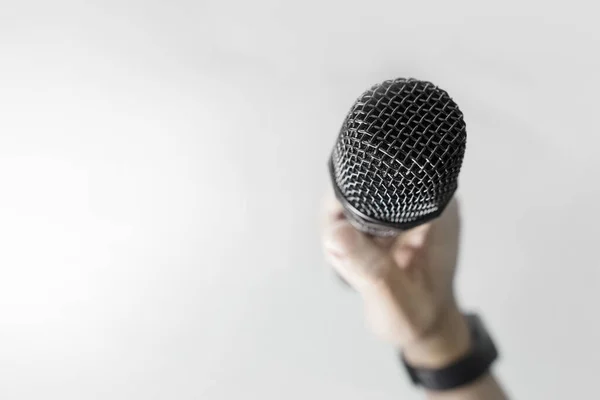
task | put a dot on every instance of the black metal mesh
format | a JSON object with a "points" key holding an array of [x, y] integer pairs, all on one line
{"points": [[399, 152]]}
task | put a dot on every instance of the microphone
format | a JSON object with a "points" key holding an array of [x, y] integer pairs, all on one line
{"points": [[397, 158]]}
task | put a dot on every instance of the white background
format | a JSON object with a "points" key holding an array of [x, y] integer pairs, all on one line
{"points": [[161, 168]]}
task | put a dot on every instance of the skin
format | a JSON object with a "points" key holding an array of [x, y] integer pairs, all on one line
{"points": [[406, 283]]}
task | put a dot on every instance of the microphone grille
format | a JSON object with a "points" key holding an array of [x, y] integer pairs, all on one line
{"points": [[398, 154]]}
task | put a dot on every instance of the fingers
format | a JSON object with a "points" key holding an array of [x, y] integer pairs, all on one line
{"points": [[415, 237], [408, 244], [355, 256], [361, 259]]}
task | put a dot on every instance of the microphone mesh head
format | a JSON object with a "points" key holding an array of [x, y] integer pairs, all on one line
{"points": [[398, 155]]}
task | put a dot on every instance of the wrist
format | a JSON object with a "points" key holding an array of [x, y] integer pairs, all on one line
{"points": [[448, 341]]}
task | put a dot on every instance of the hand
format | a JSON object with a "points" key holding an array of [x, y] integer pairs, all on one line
{"points": [[405, 283]]}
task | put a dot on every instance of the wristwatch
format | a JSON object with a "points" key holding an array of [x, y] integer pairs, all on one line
{"points": [[465, 370]]}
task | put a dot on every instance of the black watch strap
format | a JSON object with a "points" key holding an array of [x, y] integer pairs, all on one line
{"points": [[463, 371]]}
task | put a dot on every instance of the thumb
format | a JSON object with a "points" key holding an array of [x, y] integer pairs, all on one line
{"points": [[355, 256]]}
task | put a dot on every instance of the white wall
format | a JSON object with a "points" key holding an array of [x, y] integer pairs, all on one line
{"points": [[161, 167]]}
